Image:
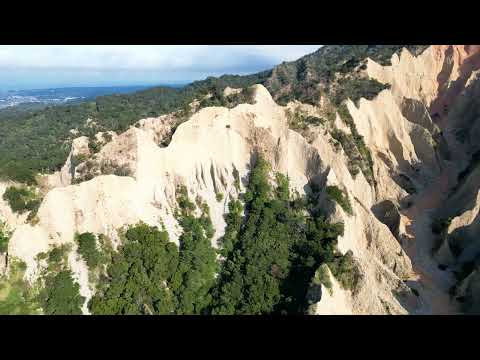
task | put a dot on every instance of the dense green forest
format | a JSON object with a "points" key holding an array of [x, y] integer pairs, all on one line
{"points": [[38, 139], [135, 280], [274, 243], [269, 257], [271, 254], [151, 275]]}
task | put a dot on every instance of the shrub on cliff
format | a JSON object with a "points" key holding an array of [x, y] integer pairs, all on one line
{"points": [[4, 237], [337, 195], [21, 199], [87, 248]]}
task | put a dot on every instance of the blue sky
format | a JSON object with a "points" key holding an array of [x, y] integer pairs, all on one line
{"points": [[43, 66]]}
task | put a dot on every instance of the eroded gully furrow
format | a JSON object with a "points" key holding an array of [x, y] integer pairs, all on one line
{"points": [[432, 282]]}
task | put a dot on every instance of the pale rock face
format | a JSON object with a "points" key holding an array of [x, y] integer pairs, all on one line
{"points": [[435, 78], [382, 261], [463, 207], [121, 151], [411, 77], [399, 132], [64, 176], [306, 109], [395, 142], [334, 301], [340, 124], [157, 128], [463, 235], [397, 125], [102, 136], [418, 77], [463, 231], [230, 91], [467, 218]]}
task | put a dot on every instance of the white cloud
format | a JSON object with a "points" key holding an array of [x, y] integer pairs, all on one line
{"points": [[142, 57], [42, 66]]}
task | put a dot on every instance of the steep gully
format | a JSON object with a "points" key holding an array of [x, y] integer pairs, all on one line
{"points": [[419, 241], [433, 282]]}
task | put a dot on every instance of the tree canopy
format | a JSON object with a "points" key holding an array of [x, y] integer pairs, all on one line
{"points": [[270, 251], [272, 257]]}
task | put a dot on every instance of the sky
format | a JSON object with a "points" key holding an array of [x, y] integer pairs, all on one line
{"points": [[46, 66]]}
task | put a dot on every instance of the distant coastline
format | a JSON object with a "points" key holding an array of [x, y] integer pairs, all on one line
{"points": [[58, 96]]}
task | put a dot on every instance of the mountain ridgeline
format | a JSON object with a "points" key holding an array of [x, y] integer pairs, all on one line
{"points": [[38, 141]]}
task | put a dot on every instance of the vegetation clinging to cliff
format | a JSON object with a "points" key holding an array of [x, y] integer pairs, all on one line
{"points": [[21, 199], [151, 275], [4, 237], [60, 293], [341, 198], [197, 266], [358, 154], [17, 296], [334, 71], [273, 253], [270, 256], [88, 249], [137, 277]]}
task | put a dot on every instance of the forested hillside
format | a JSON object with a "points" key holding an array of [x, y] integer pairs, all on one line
{"points": [[39, 140], [151, 275], [251, 280]]}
